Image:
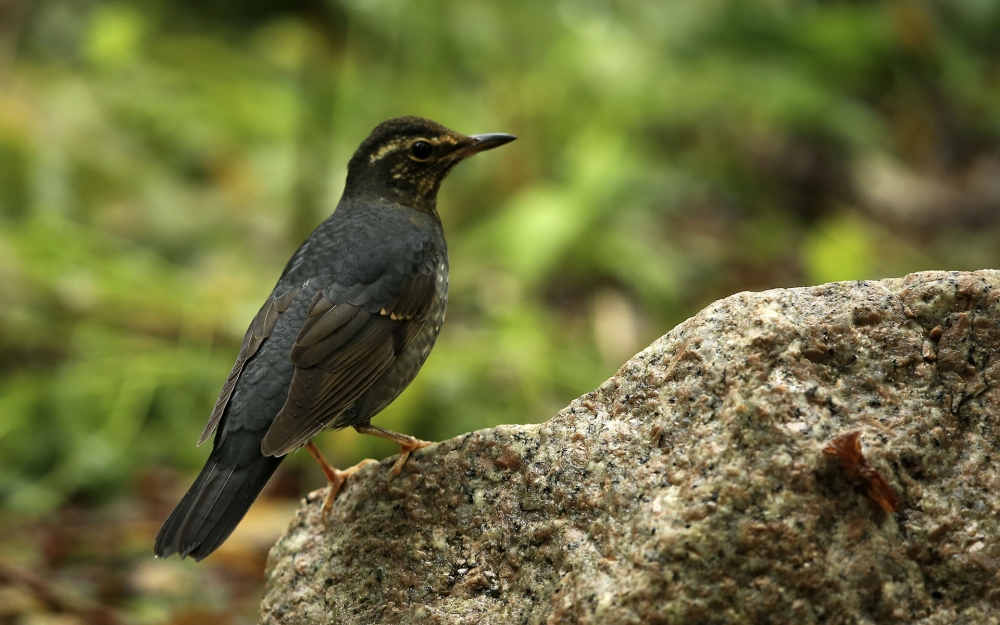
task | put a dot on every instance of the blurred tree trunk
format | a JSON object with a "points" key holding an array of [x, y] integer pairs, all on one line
{"points": [[13, 14]]}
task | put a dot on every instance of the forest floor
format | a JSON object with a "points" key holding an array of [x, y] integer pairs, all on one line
{"points": [[95, 564]]}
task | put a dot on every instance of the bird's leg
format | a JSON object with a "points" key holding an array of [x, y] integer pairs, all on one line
{"points": [[406, 444], [334, 476]]}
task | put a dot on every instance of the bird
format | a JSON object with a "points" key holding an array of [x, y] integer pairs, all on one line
{"points": [[346, 328]]}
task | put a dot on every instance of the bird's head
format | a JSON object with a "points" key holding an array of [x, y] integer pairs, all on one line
{"points": [[405, 159]]}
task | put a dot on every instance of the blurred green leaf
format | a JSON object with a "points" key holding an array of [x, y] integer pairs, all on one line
{"points": [[114, 35], [841, 248]]}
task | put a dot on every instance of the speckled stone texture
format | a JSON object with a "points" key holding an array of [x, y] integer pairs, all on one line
{"points": [[692, 486]]}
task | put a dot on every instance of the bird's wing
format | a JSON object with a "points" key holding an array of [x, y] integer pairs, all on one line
{"points": [[340, 351], [260, 328]]}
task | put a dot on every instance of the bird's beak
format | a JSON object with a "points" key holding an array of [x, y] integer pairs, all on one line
{"points": [[481, 143]]}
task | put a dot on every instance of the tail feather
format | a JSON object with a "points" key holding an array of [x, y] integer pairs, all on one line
{"points": [[213, 506]]}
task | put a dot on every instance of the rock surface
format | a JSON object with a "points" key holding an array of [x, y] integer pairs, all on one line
{"points": [[692, 487]]}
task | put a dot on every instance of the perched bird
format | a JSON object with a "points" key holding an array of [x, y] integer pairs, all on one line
{"points": [[350, 322]]}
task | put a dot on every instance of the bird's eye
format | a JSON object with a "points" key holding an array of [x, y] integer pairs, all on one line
{"points": [[421, 150]]}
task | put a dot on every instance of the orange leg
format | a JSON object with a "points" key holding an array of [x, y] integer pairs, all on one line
{"points": [[334, 476], [406, 444]]}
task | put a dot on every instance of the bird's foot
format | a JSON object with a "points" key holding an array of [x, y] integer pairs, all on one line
{"points": [[334, 476], [338, 483], [404, 453], [406, 444]]}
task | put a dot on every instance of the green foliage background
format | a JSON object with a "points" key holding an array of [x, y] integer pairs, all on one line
{"points": [[159, 161]]}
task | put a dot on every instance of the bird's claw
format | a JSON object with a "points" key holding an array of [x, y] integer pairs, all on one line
{"points": [[336, 480], [404, 454]]}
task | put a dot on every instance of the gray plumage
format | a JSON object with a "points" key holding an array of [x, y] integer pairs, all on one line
{"points": [[350, 322]]}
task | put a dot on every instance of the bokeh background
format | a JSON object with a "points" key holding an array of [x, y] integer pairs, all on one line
{"points": [[161, 159]]}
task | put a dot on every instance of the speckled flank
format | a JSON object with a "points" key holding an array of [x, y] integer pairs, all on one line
{"points": [[692, 487]]}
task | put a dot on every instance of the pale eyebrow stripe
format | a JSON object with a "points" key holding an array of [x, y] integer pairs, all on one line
{"points": [[385, 149], [394, 145]]}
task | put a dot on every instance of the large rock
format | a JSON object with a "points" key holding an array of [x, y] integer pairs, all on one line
{"points": [[693, 487]]}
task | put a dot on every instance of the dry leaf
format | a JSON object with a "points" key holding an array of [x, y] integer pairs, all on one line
{"points": [[846, 447]]}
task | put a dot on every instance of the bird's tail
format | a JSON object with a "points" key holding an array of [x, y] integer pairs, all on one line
{"points": [[229, 483]]}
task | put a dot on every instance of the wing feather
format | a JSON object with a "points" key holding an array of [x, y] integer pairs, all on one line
{"points": [[339, 353], [260, 329]]}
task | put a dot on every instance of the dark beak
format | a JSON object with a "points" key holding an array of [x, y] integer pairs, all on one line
{"points": [[481, 143]]}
